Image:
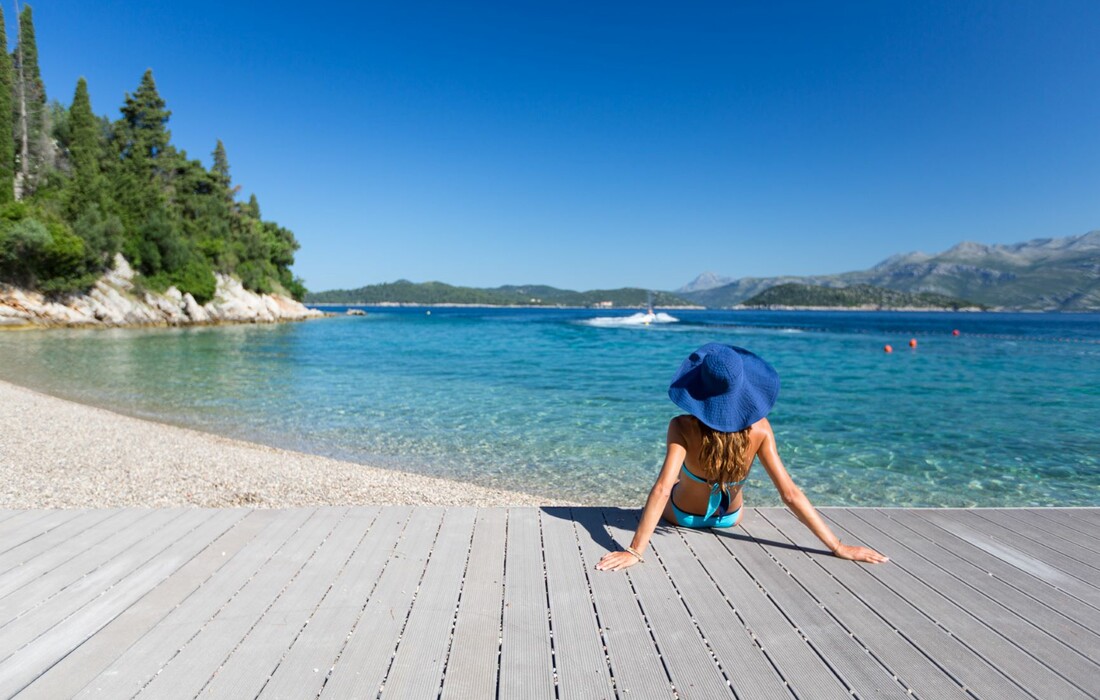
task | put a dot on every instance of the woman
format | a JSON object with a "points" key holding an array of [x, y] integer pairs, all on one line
{"points": [[727, 392]]}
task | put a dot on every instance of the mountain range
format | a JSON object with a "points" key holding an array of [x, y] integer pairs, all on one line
{"points": [[1045, 274]]}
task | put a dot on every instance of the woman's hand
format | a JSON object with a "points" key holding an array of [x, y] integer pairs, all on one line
{"points": [[854, 553], [613, 561]]}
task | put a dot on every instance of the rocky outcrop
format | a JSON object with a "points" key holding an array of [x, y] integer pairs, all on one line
{"points": [[115, 301]]}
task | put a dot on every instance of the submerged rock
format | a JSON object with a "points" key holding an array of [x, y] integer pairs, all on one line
{"points": [[114, 301]]}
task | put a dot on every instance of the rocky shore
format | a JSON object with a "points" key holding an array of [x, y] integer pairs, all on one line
{"points": [[59, 454], [115, 301]]}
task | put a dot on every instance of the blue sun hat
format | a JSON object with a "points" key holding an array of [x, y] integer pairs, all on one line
{"points": [[726, 387]]}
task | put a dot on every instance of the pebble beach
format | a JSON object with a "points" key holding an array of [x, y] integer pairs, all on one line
{"points": [[60, 454]]}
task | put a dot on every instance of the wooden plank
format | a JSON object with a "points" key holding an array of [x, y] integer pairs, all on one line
{"points": [[690, 663], [1083, 548], [526, 654], [963, 527], [23, 533], [195, 665], [38, 656], [901, 659], [42, 610], [471, 670], [1052, 651], [304, 669], [138, 663], [52, 571], [968, 669], [633, 656], [72, 673], [365, 658], [1080, 638], [724, 556], [847, 656], [717, 617], [50, 540], [417, 670], [251, 664], [582, 666], [1056, 602], [908, 575], [1071, 519]]}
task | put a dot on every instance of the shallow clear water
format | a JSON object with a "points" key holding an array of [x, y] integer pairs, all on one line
{"points": [[545, 401]]}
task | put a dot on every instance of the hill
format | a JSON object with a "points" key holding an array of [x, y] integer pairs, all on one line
{"points": [[427, 293], [1047, 274], [860, 296]]}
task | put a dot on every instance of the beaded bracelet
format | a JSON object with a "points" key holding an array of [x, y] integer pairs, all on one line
{"points": [[636, 554]]}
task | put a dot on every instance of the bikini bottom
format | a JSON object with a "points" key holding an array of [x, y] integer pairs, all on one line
{"points": [[694, 520]]}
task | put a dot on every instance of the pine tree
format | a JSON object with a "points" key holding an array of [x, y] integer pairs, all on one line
{"points": [[221, 165], [32, 120], [87, 188], [145, 121], [7, 139], [253, 207]]}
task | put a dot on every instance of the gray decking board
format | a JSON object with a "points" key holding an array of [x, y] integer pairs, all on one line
{"points": [[846, 654], [1061, 539], [72, 673], [583, 669], [952, 614], [1045, 553], [1049, 648], [190, 670], [970, 670], [129, 553], [913, 669], [304, 669], [1061, 631], [417, 669], [471, 670], [754, 676], [726, 561], [136, 665], [366, 657], [634, 660], [55, 643], [251, 664], [18, 576], [414, 602], [526, 662]]}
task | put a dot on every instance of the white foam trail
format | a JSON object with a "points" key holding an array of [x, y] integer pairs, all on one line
{"points": [[638, 319]]}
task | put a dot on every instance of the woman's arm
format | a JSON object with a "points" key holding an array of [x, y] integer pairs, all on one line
{"points": [[802, 508], [654, 505]]}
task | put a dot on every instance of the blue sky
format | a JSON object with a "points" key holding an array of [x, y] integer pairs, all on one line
{"points": [[605, 144]]}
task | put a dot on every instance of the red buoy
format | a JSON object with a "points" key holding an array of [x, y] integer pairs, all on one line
{"points": [[887, 348], [912, 342], [955, 332]]}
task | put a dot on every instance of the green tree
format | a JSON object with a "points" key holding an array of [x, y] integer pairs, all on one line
{"points": [[31, 116], [221, 167], [88, 186], [7, 126]]}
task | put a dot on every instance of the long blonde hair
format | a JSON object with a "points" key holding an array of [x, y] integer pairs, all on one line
{"points": [[722, 457]]}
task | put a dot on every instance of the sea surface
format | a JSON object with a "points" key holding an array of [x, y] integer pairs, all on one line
{"points": [[572, 403]]}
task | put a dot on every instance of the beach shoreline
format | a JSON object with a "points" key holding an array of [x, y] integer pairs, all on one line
{"points": [[56, 453]]}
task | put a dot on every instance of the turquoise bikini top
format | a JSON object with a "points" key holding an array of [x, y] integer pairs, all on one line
{"points": [[715, 498]]}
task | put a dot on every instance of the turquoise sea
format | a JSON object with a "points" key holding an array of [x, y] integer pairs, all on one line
{"points": [[572, 403]]}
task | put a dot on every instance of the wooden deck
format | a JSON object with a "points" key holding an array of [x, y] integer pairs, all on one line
{"points": [[481, 603]]}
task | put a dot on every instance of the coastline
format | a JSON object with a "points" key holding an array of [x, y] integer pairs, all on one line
{"points": [[56, 453]]}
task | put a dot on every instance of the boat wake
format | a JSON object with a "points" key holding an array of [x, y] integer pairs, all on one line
{"points": [[638, 319]]}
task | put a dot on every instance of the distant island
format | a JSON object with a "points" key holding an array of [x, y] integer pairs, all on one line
{"points": [[860, 296], [438, 293]]}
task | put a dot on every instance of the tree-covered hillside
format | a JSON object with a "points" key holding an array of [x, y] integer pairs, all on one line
{"points": [[860, 295], [76, 188], [405, 292]]}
